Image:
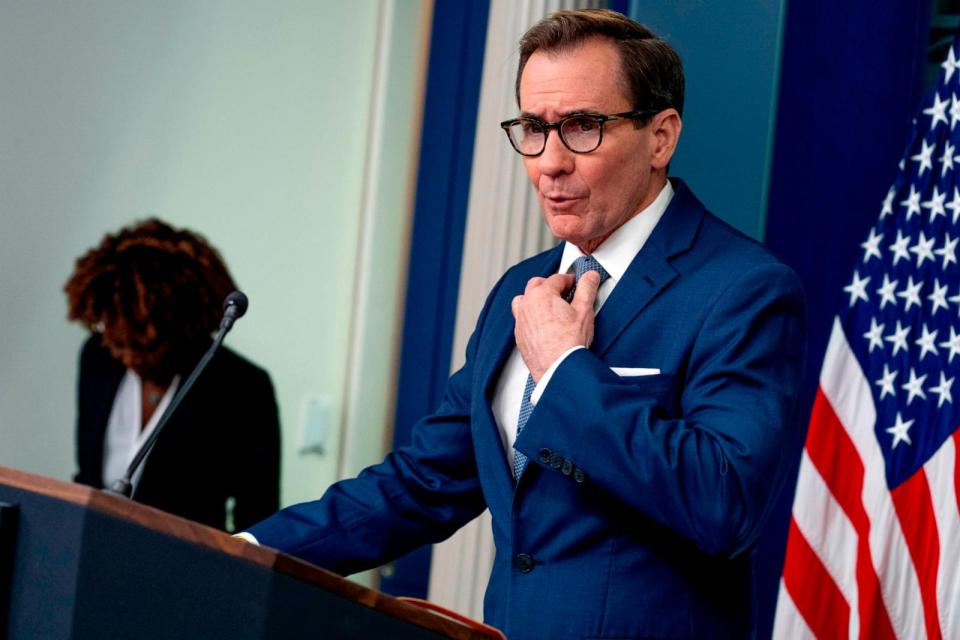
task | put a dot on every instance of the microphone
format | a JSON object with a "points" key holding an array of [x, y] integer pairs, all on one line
{"points": [[234, 306]]}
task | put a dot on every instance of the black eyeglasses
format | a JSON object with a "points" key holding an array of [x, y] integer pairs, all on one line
{"points": [[579, 132]]}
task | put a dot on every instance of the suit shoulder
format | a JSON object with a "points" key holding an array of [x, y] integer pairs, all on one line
{"points": [[543, 262], [726, 247], [233, 365], [94, 356]]}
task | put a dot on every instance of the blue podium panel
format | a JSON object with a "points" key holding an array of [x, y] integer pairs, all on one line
{"points": [[84, 564]]}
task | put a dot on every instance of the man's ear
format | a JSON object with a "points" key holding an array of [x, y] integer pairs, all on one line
{"points": [[665, 129]]}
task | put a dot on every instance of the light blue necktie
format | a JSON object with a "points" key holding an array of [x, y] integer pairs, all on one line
{"points": [[581, 265]]}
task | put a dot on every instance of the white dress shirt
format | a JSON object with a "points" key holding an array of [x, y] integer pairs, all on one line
{"points": [[124, 436], [615, 255]]}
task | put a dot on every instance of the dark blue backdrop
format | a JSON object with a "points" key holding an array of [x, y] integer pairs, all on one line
{"points": [[852, 76]]}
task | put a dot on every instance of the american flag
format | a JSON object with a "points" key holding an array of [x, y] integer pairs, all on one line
{"points": [[874, 542]]}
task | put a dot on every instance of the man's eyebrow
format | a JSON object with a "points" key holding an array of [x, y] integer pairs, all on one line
{"points": [[565, 114]]}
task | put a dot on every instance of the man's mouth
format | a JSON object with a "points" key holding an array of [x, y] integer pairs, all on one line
{"points": [[561, 201]]}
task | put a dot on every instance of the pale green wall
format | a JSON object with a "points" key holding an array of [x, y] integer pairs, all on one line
{"points": [[247, 121]]}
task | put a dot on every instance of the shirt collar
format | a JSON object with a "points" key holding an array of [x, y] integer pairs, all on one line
{"points": [[618, 251]]}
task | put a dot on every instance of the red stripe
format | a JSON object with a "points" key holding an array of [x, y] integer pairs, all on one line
{"points": [[915, 510], [835, 457], [816, 595]]}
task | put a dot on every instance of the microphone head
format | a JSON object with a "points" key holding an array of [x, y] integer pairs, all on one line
{"points": [[238, 302]]}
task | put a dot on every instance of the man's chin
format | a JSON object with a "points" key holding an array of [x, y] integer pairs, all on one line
{"points": [[572, 232]]}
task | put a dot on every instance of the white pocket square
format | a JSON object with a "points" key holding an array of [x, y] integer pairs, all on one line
{"points": [[634, 371]]}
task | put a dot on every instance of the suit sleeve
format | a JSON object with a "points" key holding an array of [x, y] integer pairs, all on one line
{"points": [[421, 493], [708, 472]]}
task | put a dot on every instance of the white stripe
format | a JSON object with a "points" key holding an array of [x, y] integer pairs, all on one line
{"points": [[940, 470], [844, 384], [788, 623], [830, 534]]}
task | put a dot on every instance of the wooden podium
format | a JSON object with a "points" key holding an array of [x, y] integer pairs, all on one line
{"points": [[79, 563]]}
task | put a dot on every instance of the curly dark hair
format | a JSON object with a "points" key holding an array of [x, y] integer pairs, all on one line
{"points": [[150, 286]]}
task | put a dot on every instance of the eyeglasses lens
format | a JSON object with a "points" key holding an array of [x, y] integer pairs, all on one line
{"points": [[528, 136], [582, 134]]}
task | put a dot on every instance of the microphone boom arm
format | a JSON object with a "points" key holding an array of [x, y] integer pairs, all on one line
{"points": [[234, 306]]}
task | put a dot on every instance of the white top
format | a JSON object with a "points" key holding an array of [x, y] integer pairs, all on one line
{"points": [[124, 436], [615, 255]]}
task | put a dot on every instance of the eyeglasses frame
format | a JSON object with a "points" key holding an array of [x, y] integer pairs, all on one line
{"points": [[602, 119]]}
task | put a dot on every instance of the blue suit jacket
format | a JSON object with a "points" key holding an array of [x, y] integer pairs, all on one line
{"points": [[644, 495]]}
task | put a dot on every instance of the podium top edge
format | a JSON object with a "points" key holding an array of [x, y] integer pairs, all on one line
{"points": [[193, 532]]}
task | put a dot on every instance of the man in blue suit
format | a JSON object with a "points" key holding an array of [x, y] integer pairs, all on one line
{"points": [[628, 442]]}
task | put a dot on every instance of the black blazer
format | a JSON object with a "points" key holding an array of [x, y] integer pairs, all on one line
{"points": [[223, 441]]}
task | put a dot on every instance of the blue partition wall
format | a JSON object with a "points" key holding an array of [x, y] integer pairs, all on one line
{"points": [[730, 52], [440, 213]]}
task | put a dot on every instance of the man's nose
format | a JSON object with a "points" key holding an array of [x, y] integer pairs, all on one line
{"points": [[556, 158]]}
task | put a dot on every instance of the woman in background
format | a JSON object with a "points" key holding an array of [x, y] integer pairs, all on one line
{"points": [[152, 297]]}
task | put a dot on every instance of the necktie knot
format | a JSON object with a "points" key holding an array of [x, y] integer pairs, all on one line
{"points": [[582, 265]]}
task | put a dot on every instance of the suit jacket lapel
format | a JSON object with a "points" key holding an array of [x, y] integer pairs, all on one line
{"points": [[651, 271], [498, 344]]}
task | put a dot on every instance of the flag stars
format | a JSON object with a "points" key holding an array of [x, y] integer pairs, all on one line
{"points": [[935, 204], [925, 158], [954, 112], [938, 111], [886, 291], [956, 300], [953, 344], [871, 247], [912, 203], [923, 249], [939, 297], [900, 431], [946, 160], [954, 204], [948, 251], [857, 289], [898, 338], [875, 335], [914, 387], [887, 208], [949, 65], [944, 394], [899, 248], [886, 383], [926, 341], [910, 294]]}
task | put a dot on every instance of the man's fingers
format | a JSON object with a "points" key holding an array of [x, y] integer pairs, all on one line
{"points": [[532, 283], [586, 292], [559, 282]]}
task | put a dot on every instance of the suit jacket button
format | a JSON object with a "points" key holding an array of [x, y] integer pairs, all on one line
{"points": [[567, 468], [578, 475], [556, 461], [545, 455], [523, 562]]}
